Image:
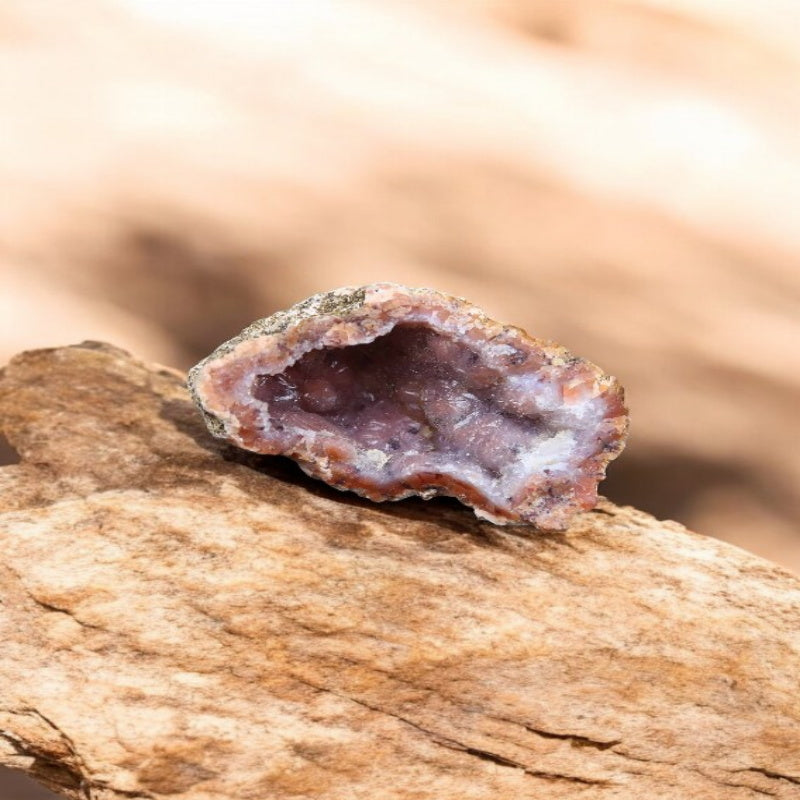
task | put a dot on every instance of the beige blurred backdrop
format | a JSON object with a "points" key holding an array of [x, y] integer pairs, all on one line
{"points": [[622, 176]]}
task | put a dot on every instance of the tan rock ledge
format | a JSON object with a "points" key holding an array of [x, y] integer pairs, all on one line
{"points": [[175, 621]]}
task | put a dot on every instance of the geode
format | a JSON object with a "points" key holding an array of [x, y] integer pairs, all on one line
{"points": [[390, 392]]}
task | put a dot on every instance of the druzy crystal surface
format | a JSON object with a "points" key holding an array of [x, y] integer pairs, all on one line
{"points": [[391, 392]]}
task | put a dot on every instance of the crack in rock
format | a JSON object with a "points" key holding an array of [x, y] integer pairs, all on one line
{"points": [[60, 610], [65, 770], [454, 744], [575, 739], [770, 774]]}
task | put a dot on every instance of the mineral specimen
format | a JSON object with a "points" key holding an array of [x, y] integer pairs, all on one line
{"points": [[390, 392]]}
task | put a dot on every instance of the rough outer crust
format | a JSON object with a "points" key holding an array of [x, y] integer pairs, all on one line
{"points": [[220, 386], [336, 302]]}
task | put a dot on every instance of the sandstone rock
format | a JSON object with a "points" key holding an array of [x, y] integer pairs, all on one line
{"points": [[174, 621]]}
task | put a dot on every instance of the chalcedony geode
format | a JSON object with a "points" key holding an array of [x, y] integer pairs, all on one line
{"points": [[390, 392]]}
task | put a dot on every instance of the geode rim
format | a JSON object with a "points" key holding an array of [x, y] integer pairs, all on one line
{"points": [[391, 391]]}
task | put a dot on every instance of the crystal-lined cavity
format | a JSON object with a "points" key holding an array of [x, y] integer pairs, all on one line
{"points": [[414, 395]]}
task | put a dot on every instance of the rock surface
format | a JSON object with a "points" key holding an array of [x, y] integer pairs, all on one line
{"points": [[176, 622], [390, 392]]}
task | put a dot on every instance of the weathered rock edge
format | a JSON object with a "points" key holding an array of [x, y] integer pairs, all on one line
{"points": [[175, 622]]}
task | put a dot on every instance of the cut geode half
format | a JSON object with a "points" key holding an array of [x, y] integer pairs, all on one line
{"points": [[390, 392]]}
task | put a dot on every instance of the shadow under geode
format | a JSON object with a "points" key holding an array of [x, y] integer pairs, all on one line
{"points": [[449, 515]]}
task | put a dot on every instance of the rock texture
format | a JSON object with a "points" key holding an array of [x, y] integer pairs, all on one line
{"points": [[176, 622], [545, 166], [391, 392]]}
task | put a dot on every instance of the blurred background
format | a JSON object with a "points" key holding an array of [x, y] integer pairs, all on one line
{"points": [[622, 176]]}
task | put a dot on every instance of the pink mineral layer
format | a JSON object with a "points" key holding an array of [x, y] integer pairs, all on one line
{"points": [[390, 392]]}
